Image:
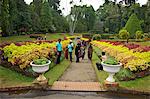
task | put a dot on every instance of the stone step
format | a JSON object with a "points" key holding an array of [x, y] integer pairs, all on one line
{"points": [[77, 86]]}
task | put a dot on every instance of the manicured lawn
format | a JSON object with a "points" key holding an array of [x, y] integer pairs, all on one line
{"points": [[142, 84], [57, 71], [12, 78], [27, 38]]}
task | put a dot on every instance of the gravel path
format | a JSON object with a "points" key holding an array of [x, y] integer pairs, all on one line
{"points": [[80, 72]]}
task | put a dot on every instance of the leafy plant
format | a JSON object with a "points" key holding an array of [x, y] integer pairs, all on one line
{"points": [[134, 61], [124, 34], [41, 61], [111, 61], [139, 34], [133, 25], [96, 37], [22, 55], [124, 74]]}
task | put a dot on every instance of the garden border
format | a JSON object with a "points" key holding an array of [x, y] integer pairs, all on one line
{"points": [[123, 89]]}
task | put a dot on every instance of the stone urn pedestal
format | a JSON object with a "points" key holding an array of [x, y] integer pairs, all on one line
{"points": [[111, 70], [41, 69]]}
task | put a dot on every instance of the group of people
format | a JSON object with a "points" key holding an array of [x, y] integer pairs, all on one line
{"points": [[79, 50]]}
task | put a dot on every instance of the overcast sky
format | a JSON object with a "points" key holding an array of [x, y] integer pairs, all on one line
{"points": [[95, 3]]}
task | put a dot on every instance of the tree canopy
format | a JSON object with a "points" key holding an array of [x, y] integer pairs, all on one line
{"points": [[45, 16]]}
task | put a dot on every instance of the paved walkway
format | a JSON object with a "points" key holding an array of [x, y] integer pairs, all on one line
{"points": [[80, 72], [79, 77]]}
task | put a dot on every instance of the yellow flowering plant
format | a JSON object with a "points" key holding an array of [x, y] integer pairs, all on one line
{"points": [[135, 61]]}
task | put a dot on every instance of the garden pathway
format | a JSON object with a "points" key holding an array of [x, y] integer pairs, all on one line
{"points": [[79, 77], [80, 72]]}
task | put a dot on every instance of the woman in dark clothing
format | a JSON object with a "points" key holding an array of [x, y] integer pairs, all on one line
{"points": [[77, 52], [90, 51]]}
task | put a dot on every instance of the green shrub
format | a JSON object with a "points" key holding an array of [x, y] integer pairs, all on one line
{"points": [[96, 37], [40, 61], [106, 36], [111, 61], [106, 30], [146, 35], [133, 25], [124, 74], [139, 34], [124, 34]]}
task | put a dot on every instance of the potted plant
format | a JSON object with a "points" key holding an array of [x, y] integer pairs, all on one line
{"points": [[111, 66], [40, 66]]}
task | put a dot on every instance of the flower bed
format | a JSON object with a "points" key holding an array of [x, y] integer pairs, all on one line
{"points": [[19, 55], [134, 47], [133, 60], [85, 39]]}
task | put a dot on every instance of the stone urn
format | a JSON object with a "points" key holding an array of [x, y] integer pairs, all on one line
{"points": [[41, 69], [111, 69]]}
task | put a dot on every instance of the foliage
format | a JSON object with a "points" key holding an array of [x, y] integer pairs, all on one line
{"points": [[22, 55], [137, 84], [106, 36], [139, 34], [146, 35], [46, 18], [96, 37], [5, 18], [124, 74], [135, 61], [41, 61], [133, 25], [111, 61], [124, 34], [81, 18]]}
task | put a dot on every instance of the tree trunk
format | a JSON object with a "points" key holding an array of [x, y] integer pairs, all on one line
{"points": [[127, 40]]}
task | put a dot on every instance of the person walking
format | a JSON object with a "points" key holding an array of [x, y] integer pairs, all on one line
{"points": [[77, 52], [66, 52], [70, 49], [59, 50], [90, 52]]}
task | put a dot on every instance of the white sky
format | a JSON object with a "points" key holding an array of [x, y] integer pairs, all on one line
{"points": [[95, 3]]}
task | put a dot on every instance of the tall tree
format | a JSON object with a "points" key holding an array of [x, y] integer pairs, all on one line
{"points": [[73, 17], [24, 16], [130, 2], [5, 18], [54, 4], [13, 14], [46, 18], [35, 7], [90, 17], [133, 25]]}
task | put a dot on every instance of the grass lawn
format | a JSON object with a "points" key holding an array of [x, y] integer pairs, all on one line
{"points": [[27, 38], [55, 73], [141, 84], [12, 78], [9, 77]]}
